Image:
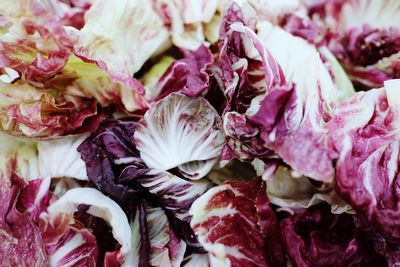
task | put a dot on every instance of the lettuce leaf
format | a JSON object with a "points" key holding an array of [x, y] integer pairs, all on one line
{"points": [[32, 157], [236, 225], [61, 211], [300, 109], [180, 131], [186, 20], [90, 81], [363, 35], [71, 12], [290, 193], [33, 41], [119, 37], [315, 237], [114, 166], [187, 75], [248, 68], [364, 131], [20, 239], [43, 113]]}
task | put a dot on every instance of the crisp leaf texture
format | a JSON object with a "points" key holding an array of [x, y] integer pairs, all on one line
{"points": [[186, 20], [112, 159], [315, 237], [43, 113], [363, 34], [248, 68], [100, 206], [365, 133], [291, 193], [20, 239], [60, 158], [32, 41], [180, 131], [119, 36], [174, 193], [187, 75], [236, 225], [298, 110], [114, 166]]}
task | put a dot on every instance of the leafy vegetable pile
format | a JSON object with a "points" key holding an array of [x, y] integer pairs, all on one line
{"points": [[200, 133]]}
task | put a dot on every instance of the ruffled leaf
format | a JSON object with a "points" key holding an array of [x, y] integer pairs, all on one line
{"points": [[114, 166], [39, 113], [112, 159], [248, 68], [45, 158], [315, 237], [94, 82], [33, 41], [166, 247], [185, 20], [364, 131], [24, 152], [71, 12], [119, 36], [177, 131], [299, 110], [364, 35], [187, 75], [291, 193], [20, 240], [67, 241]]}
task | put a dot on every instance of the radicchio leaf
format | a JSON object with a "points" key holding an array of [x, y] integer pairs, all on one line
{"points": [[20, 240], [114, 166], [57, 241], [290, 193], [272, 10], [185, 20], [35, 198], [61, 211], [175, 194], [299, 110], [248, 68], [154, 241], [180, 131], [244, 140], [60, 158], [166, 248], [71, 12], [196, 260], [67, 241], [88, 79], [364, 35], [33, 42], [55, 69], [150, 77], [236, 225], [365, 133], [32, 157], [64, 242], [43, 113], [106, 40], [315, 237], [112, 159], [187, 75], [247, 71], [24, 152]]}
